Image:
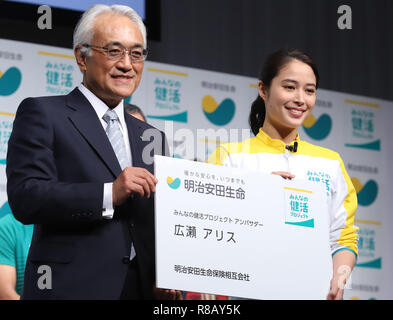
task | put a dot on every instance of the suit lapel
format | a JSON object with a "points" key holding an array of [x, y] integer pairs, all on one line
{"points": [[87, 123], [135, 133]]}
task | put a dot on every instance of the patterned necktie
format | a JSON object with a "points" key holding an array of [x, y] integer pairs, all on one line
{"points": [[116, 137]]}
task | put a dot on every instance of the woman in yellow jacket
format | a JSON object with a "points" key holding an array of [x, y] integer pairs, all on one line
{"points": [[287, 94]]}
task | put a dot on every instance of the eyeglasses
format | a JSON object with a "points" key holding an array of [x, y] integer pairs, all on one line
{"points": [[117, 52]]}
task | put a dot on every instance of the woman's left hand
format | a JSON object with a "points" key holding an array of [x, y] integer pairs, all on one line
{"points": [[336, 291], [343, 263]]}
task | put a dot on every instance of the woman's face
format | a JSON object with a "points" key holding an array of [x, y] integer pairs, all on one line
{"points": [[291, 96]]}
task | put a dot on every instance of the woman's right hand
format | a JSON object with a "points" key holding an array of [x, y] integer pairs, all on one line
{"points": [[284, 174]]}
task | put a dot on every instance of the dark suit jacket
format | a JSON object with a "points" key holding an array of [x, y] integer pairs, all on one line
{"points": [[58, 160]]}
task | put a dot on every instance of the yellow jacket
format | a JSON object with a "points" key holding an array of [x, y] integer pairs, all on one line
{"points": [[310, 162]]}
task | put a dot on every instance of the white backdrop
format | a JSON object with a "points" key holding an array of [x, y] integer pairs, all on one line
{"points": [[183, 101]]}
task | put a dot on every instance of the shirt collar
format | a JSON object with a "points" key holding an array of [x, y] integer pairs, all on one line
{"points": [[274, 142], [100, 107]]}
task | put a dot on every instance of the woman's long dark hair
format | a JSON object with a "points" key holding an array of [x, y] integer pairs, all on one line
{"points": [[272, 66]]}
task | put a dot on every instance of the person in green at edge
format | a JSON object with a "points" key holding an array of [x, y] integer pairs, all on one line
{"points": [[15, 239]]}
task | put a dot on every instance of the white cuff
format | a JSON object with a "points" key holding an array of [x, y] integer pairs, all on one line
{"points": [[107, 205]]}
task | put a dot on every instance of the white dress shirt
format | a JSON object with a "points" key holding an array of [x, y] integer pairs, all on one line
{"points": [[100, 108]]}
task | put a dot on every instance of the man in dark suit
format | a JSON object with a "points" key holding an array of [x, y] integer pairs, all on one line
{"points": [[77, 171]]}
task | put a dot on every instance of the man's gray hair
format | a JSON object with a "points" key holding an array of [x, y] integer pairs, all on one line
{"points": [[84, 30]]}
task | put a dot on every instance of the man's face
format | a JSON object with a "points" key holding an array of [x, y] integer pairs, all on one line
{"points": [[112, 80]]}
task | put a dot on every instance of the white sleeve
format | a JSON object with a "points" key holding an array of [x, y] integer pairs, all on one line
{"points": [[343, 232]]}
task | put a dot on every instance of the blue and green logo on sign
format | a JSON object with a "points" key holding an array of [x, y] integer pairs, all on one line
{"points": [[318, 129], [168, 97], [367, 245], [298, 208], [363, 128], [10, 81], [219, 114], [366, 193], [173, 183]]}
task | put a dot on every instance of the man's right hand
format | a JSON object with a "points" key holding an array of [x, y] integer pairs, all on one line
{"points": [[133, 180]]}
